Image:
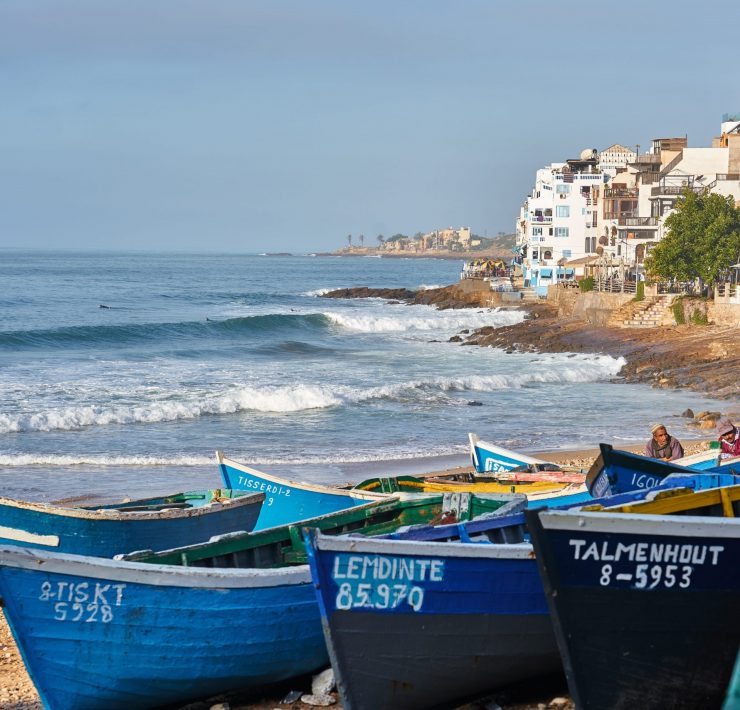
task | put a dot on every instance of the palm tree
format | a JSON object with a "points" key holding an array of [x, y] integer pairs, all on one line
{"points": [[349, 240], [362, 239], [381, 239]]}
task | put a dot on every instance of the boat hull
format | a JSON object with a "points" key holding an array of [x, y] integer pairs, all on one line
{"points": [[108, 532], [644, 608], [289, 501], [98, 633], [477, 621]]}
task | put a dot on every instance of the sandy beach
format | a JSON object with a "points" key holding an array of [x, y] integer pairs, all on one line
{"points": [[18, 693]]}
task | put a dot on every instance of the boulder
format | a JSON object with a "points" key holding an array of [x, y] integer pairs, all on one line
{"points": [[689, 414]]}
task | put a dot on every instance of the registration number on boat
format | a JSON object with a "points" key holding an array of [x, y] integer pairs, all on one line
{"points": [[86, 602], [382, 596]]}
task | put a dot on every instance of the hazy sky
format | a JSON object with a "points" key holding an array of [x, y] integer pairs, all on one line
{"points": [[283, 126]]}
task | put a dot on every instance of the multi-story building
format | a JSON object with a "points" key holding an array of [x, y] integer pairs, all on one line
{"points": [[558, 222], [615, 158], [617, 211]]}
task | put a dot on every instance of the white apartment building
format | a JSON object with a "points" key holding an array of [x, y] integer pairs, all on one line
{"points": [[614, 158], [558, 222]]}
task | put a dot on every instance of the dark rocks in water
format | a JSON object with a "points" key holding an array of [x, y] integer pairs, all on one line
{"points": [[467, 330], [474, 403], [102, 305], [689, 414], [399, 294], [455, 339]]}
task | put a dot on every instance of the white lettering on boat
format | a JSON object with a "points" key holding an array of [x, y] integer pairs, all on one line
{"points": [[664, 564], [379, 582], [641, 480], [84, 601], [263, 487]]}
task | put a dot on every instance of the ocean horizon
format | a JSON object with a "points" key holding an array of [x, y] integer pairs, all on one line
{"points": [[122, 372]]}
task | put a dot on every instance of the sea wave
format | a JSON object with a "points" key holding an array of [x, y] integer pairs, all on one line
{"points": [[20, 460], [305, 397], [96, 335], [422, 318]]}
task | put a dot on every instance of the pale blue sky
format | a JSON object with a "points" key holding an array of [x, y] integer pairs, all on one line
{"points": [[283, 126]]}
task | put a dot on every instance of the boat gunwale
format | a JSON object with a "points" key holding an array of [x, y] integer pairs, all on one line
{"points": [[606, 521], [164, 513], [149, 574], [222, 460], [349, 543]]}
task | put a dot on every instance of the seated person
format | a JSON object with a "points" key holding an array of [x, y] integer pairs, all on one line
{"points": [[663, 446], [729, 439]]}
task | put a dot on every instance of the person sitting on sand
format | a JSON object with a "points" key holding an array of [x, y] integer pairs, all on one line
{"points": [[729, 438], [663, 446]]}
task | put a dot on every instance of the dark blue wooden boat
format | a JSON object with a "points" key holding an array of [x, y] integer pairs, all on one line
{"points": [[104, 531], [644, 597], [420, 624], [616, 471], [154, 628], [287, 501]]}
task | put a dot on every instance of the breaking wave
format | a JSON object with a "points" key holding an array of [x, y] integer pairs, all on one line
{"points": [[305, 397]]}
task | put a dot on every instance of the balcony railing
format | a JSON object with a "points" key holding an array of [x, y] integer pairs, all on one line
{"points": [[674, 190], [545, 219], [620, 192], [728, 176], [638, 222]]}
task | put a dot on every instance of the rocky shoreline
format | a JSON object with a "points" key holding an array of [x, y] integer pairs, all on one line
{"points": [[704, 359]]}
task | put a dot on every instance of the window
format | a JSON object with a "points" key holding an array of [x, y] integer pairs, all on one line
{"points": [[562, 211], [567, 253], [535, 254], [547, 255], [536, 231], [561, 231], [562, 189]]}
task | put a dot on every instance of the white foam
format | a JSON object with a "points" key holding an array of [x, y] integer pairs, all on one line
{"points": [[422, 319], [302, 397], [21, 460]]}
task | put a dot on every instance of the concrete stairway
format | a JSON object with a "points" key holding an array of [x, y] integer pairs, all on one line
{"points": [[643, 314], [529, 295]]}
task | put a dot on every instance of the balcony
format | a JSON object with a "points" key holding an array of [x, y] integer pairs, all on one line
{"points": [[621, 192], [638, 221], [541, 219], [674, 190]]}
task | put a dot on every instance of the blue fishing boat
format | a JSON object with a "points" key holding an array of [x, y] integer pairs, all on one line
{"points": [[616, 471], [417, 624], [154, 523], [644, 597], [97, 633], [488, 457], [287, 501]]}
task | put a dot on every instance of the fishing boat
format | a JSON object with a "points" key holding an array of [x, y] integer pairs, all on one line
{"points": [[156, 523], [422, 624], [644, 597], [488, 457], [616, 471], [538, 492], [287, 501], [154, 628]]}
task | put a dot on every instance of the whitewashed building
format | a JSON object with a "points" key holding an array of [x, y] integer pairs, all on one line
{"points": [[558, 222], [616, 158]]}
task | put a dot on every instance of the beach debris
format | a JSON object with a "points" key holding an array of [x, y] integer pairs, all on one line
{"points": [[689, 414], [291, 697], [318, 700], [323, 683]]}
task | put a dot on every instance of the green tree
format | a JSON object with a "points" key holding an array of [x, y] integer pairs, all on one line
{"points": [[703, 239]]}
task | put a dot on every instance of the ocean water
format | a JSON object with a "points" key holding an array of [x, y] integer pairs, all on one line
{"points": [[120, 374]]}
